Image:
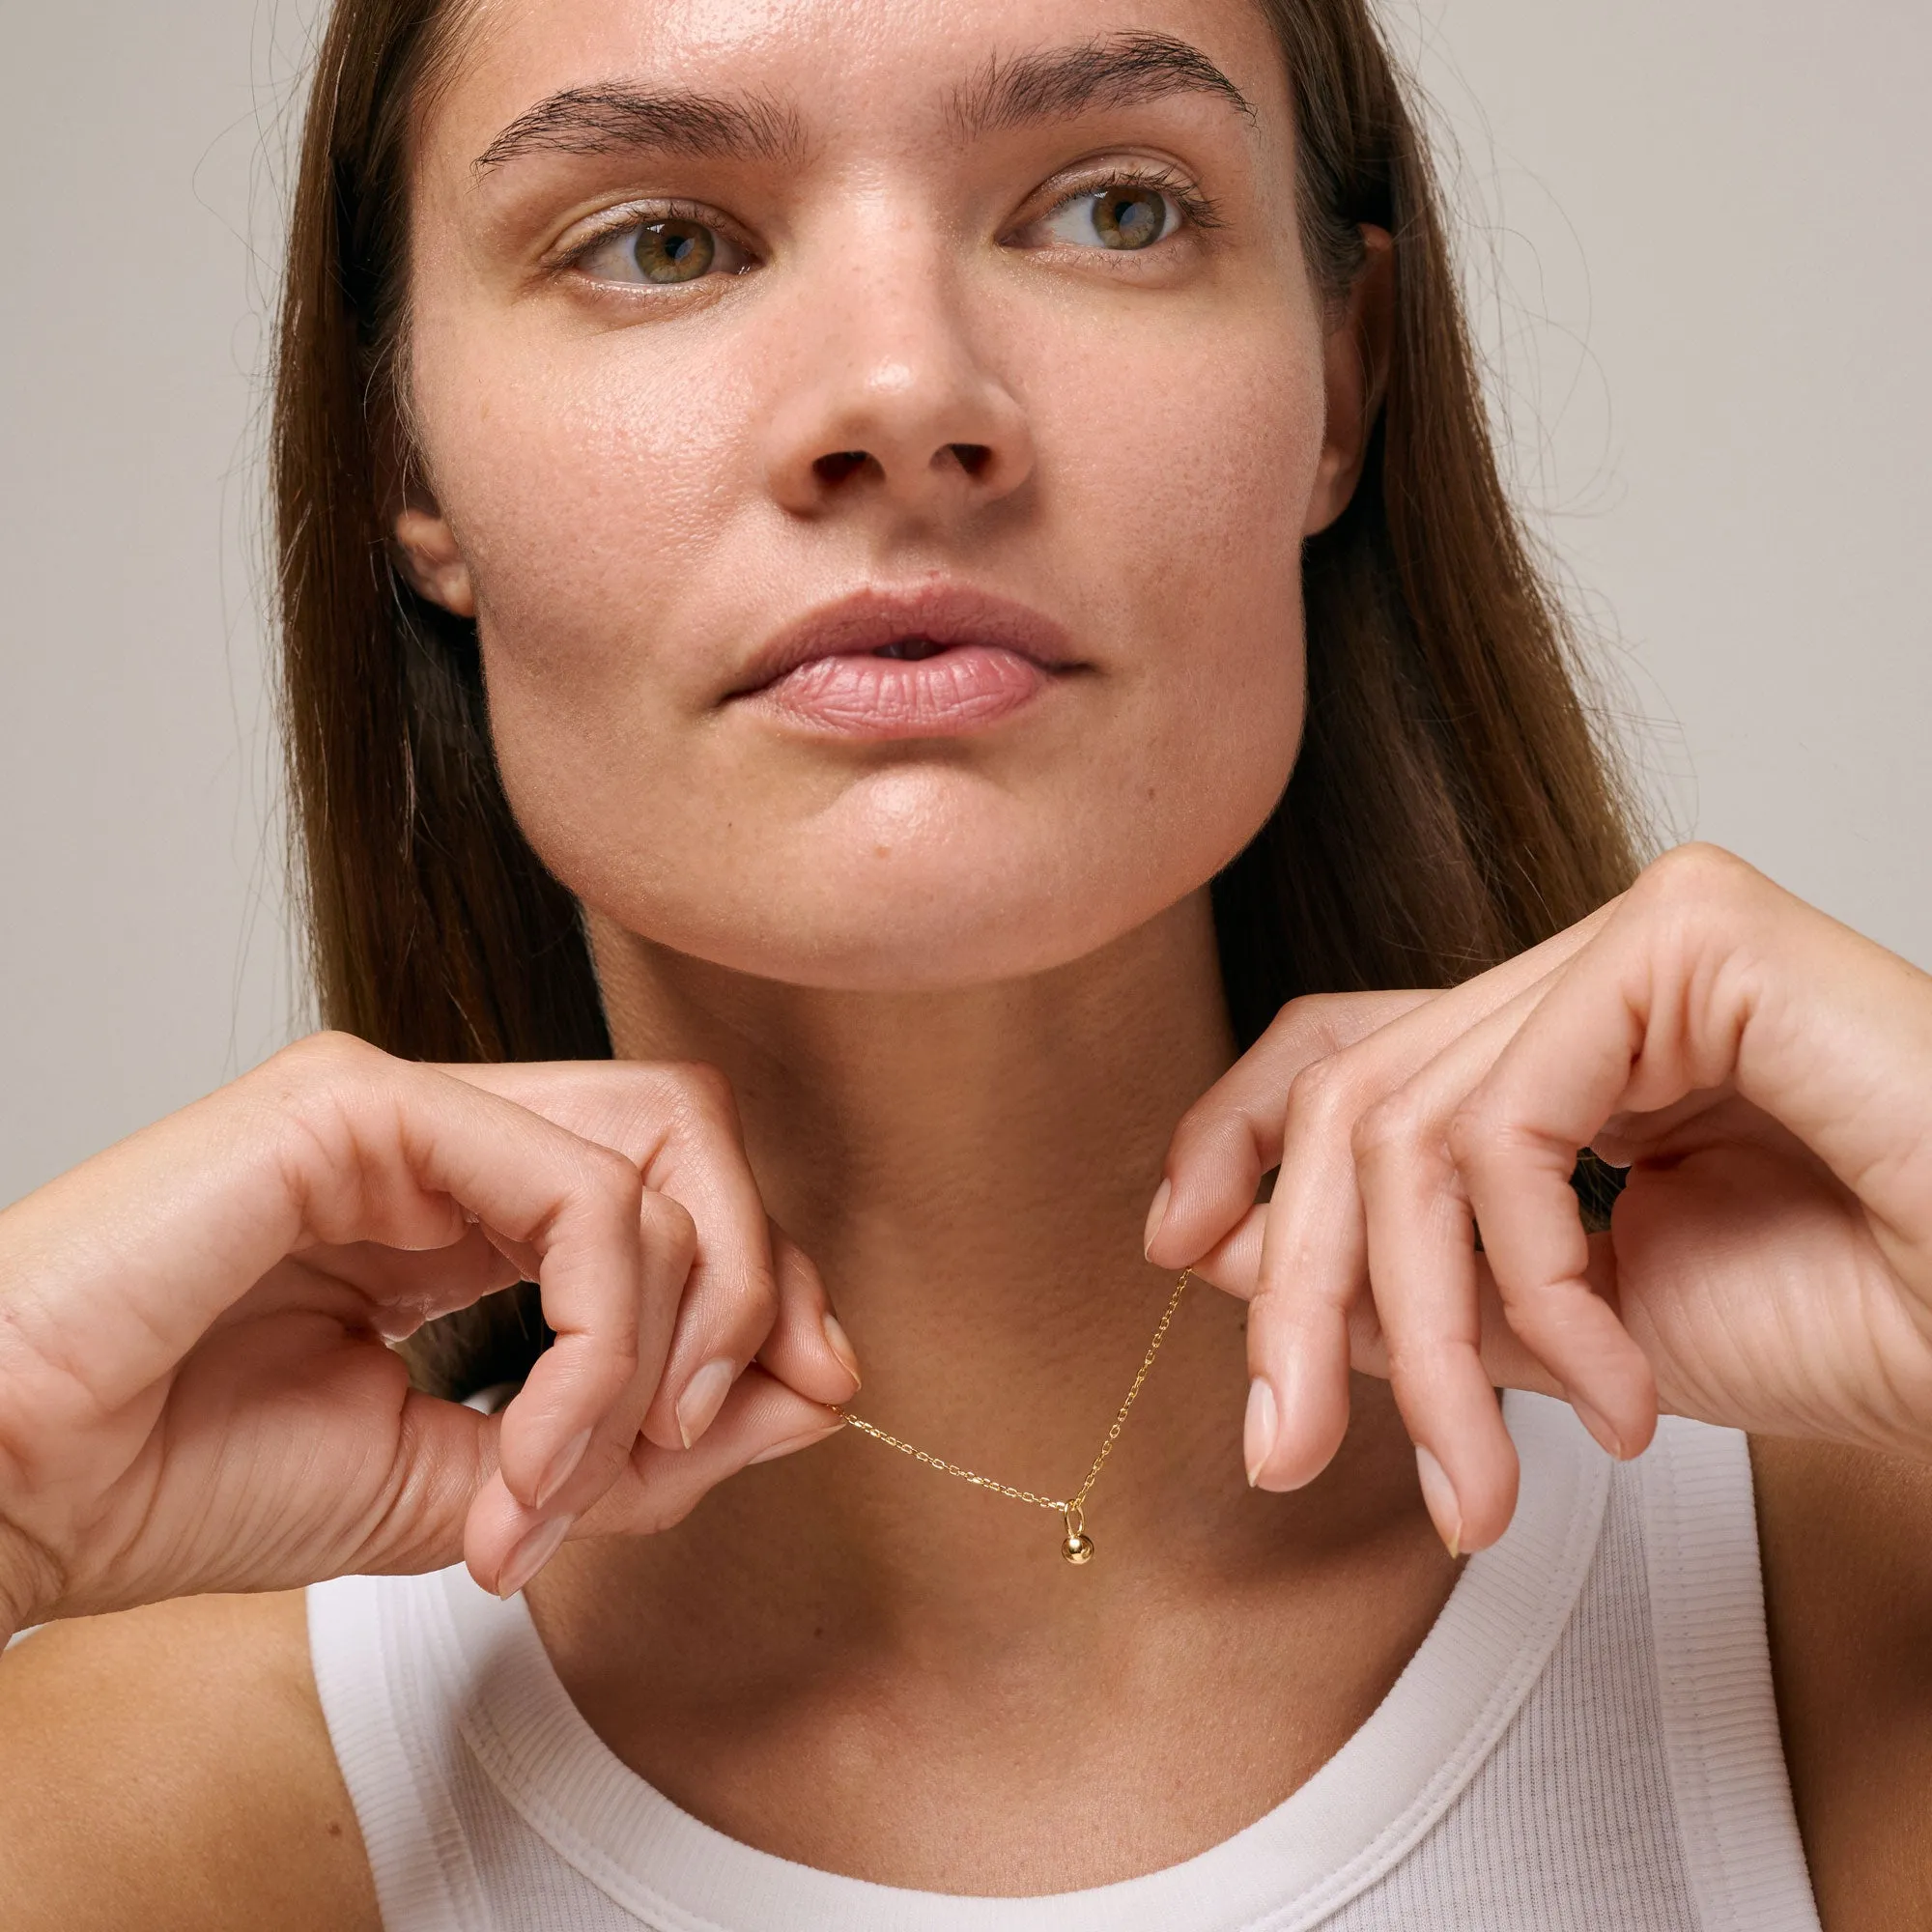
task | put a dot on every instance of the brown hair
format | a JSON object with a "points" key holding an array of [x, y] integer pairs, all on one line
{"points": [[1449, 807]]}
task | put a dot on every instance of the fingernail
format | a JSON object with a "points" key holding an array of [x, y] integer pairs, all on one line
{"points": [[703, 1398], [1259, 1431], [1606, 1437], [793, 1443], [531, 1554], [562, 1466], [1157, 1214], [840, 1345], [1440, 1494]]}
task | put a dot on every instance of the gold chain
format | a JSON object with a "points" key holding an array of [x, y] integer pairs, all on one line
{"points": [[1079, 1545]]}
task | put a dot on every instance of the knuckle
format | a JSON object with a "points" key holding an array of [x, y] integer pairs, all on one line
{"points": [[1393, 1126], [1322, 1097], [1472, 1132], [668, 1225], [1307, 1019], [1210, 1129], [614, 1179], [1693, 879], [703, 1088], [330, 1054]]}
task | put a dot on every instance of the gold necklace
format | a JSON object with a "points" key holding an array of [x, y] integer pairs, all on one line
{"points": [[1078, 1547]]}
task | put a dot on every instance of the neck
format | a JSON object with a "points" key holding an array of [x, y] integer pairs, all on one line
{"points": [[844, 1655], [971, 1172]]}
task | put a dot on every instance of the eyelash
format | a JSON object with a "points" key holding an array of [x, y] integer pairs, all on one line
{"points": [[1196, 209], [1185, 194], [639, 214]]}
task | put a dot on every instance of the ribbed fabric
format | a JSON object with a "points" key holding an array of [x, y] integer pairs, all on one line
{"points": [[1720, 1722], [1525, 1774]]}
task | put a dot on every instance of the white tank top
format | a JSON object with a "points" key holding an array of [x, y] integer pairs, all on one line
{"points": [[1585, 1739]]}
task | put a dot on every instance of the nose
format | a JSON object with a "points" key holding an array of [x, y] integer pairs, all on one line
{"points": [[887, 404]]}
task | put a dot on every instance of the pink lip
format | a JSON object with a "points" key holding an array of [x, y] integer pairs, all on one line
{"points": [[980, 659]]}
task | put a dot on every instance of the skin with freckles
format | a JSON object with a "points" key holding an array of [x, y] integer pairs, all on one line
{"points": [[963, 983], [635, 477], [874, 441]]}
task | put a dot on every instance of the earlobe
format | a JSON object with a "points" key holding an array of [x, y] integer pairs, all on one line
{"points": [[1357, 359], [427, 555]]}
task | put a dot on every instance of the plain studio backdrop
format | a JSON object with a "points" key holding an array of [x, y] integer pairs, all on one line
{"points": [[1694, 233]]}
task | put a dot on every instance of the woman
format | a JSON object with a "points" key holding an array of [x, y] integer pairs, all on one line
{"points": [[814, 539]]}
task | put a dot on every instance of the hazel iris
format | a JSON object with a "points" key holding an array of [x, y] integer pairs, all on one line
{"points": [[1129, 217], [674, 250]]}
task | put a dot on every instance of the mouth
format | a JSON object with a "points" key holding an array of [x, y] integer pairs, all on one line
{"points": [[935, 662]]}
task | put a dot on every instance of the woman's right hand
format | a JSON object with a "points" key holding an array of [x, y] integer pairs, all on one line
{"points": [[196, 1390]]}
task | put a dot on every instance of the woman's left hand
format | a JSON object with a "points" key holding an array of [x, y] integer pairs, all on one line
{"points": [[1764, 1074]]}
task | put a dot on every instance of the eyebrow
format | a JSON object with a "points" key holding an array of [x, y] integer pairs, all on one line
{"points": [[612, 116], [1120, 70], [1117, 72]]}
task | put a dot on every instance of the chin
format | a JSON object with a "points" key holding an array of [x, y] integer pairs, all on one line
{"points": [[914, 921], [915, 880]]}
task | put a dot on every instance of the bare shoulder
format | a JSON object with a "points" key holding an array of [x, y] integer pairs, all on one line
{"points": [[1847, 1550], [169, 1767]]}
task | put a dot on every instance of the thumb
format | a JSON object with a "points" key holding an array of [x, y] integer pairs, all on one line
{"points": [[761, 1420]]}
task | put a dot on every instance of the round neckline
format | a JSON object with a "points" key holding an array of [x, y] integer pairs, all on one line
{"points": [[1334, 1835]]}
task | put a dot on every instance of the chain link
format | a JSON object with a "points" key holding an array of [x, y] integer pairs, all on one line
{"points": [[1071, 1505]]}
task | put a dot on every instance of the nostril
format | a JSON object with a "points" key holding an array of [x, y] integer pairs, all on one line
{"points": [[971, 457], [840, 465]]}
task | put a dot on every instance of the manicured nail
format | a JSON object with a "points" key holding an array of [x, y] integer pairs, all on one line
{"points": [[562, 1466], [531, 1554], [703, 1398], [1259, 1431], [1606, 1437], [1440, 1493], [1157, 1214], [793, 1443], [840, 1345]]}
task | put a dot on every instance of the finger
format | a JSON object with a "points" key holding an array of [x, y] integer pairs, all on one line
{"points": [[1313, 1269], [1420, 1237], [679, 1122], [1506, 1362], [762, 1420], [796, 1349], [391, 1291], [333, 1143], [1233, 1263], [587, 1461], [1569, 1069], [608, 1258], [1231, 1136], [730, 1297]]}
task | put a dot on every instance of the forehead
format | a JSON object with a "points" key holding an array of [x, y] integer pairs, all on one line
{"points": [[830, 67]]}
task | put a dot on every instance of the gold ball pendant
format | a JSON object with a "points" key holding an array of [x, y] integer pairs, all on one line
{"points": [[1078, 1547]]}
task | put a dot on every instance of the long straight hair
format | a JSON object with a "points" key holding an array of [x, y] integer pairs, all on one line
{"points": [[1450, 806]]}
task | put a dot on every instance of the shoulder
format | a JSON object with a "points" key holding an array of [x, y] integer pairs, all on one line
{"points": [[1846, 1540], [169, 1767]]}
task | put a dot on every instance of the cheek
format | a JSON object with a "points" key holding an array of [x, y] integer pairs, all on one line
{"points": [[613, 507], [1182, 480], [585, 491]]}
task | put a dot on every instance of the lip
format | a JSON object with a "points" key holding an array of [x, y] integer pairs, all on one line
{"points": [[989, 657]]}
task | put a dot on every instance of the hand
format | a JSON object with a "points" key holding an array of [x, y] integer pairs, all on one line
{"points": [[1764, 1075], [195, 1390]]}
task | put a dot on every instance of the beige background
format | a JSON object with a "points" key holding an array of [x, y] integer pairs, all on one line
{"points": [[1697, 234]]}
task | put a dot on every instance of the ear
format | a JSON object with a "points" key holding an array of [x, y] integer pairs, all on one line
{"points": [[427, 555], [1355, 362]]}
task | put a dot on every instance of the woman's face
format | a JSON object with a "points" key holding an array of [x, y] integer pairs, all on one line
{"points": [[875, 438]]}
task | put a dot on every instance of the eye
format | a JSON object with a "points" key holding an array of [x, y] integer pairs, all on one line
{"points": [[1123, 215], [662, 251]]}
